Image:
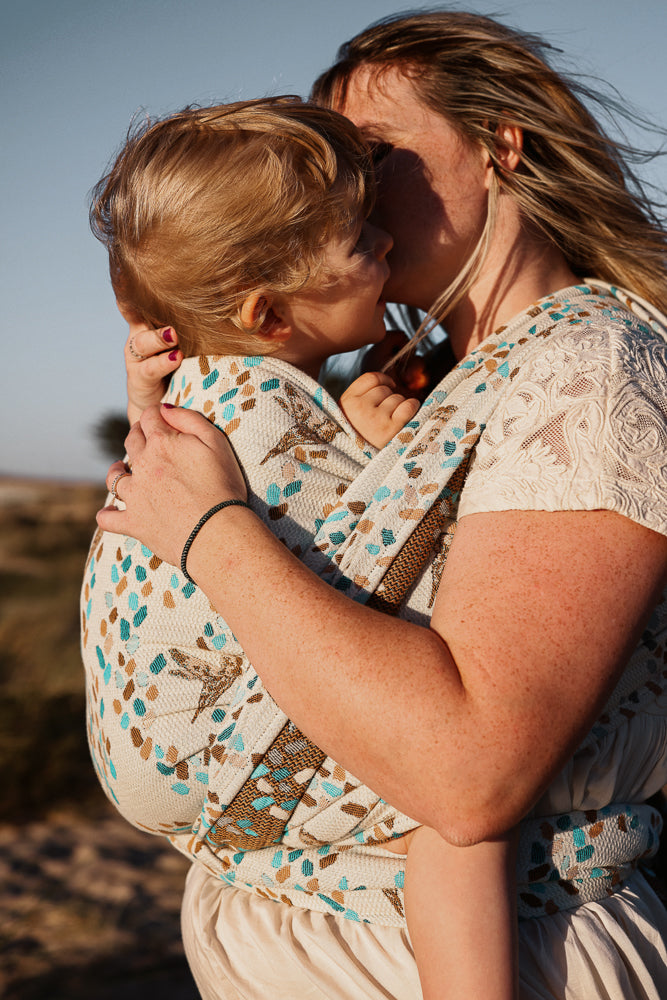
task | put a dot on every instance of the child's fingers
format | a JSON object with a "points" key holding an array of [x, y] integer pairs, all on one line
{"points": [[154, 369], [389, 402], [143, 343], [405, 410], [371, 393], [380, 396], [396, 410], [367, 383]]}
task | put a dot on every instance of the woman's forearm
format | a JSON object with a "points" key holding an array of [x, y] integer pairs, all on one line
{"points": [[339, 670]]}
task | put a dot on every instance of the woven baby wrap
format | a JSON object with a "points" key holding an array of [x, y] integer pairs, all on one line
{"points": [[186, 740]]}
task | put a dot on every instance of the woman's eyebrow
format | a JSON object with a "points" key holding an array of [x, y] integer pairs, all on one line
{"points": [[378, 131]]}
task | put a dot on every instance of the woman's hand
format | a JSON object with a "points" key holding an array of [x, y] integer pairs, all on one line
{"points": [[181, 466], [151, 357]]}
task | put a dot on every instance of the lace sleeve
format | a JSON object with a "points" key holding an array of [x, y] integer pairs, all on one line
{"points": [[584, 427]]}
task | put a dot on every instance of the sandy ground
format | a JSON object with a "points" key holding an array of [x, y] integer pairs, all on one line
{"points": [[89, 906], [89, 910]]}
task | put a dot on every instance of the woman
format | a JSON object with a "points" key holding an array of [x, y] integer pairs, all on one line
{"points": [[538, 687]]}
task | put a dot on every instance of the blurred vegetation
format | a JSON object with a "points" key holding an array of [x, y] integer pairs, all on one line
{"points": [[89, 906], [109, 434], [45, 531]]}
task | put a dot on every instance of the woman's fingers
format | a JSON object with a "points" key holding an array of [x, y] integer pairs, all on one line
{"points": [[135, 441], [116, 472], [184, 421], [151, 356], [220, 459], [113, 519], [160, 423], [181, 465]]}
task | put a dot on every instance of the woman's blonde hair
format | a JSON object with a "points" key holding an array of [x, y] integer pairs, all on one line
{"points": [[210, 205], [573, 182]]}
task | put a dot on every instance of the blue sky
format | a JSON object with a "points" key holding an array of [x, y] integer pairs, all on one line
{"points": [[72, 75]]}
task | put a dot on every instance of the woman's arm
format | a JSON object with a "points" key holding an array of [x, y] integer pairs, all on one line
{"points": [[461, 725]]}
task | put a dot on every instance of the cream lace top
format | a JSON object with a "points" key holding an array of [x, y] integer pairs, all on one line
{"points": [[584, 428]]}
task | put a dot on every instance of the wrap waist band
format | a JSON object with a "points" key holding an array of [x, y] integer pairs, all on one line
{"points": [[582, 857], [562, 862]]}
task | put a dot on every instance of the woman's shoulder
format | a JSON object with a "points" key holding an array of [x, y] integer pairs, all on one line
{"points": [[611, 341], [607, 353], [582, 426]]}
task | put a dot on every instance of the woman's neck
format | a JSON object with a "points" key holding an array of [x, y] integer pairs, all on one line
{"points": [[520, 269]]}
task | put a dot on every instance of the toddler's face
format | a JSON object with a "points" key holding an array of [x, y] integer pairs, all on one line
{"points": [[343, 308]]}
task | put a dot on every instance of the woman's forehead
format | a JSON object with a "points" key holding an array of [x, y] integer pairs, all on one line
{"points": [[381, 99], [388, 107]]}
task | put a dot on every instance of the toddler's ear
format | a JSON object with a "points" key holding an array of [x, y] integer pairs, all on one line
{"points": [[253, 310], [260, 316]]}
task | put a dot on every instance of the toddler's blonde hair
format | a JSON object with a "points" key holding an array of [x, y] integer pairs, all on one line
{"points": [[210, 205]]}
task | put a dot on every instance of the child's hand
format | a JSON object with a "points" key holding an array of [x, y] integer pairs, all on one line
{"points": [[151, 356], [410, 373], [375, 409]]}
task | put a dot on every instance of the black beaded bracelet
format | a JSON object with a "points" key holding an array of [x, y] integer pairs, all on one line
{"points": [[197, 528]]}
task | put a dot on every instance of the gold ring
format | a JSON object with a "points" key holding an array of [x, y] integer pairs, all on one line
{"points": [[135, 354], [115, 482]]}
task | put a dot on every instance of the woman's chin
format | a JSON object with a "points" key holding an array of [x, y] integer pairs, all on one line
{"points": [[403, 288]]}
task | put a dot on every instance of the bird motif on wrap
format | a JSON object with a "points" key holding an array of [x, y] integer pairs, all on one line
{"points": [[214, 681], [309, 427]]}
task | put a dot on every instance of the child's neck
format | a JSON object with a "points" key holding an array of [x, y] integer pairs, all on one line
{"points": [[309, 366]]}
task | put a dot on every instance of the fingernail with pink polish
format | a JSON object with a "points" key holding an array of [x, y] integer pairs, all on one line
{"points": [[169, 406], [173, 356], [168, 335]]}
